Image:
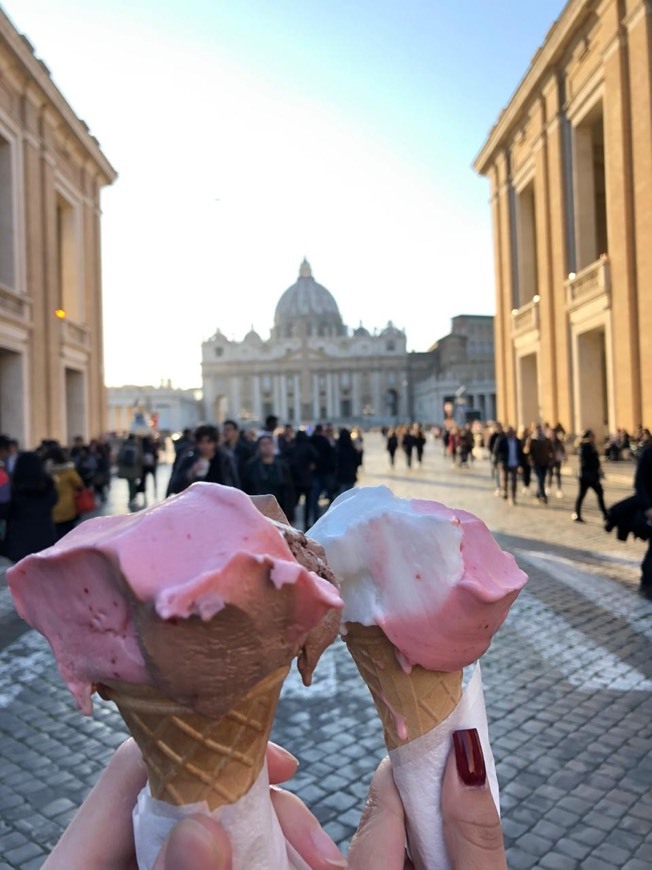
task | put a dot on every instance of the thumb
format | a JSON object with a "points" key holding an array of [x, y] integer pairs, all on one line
{"points": [[380, 838], [472, 830], [196, 843]]}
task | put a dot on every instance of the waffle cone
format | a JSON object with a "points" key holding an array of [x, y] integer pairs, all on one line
{"points": [[409, 705], [190, 757]]}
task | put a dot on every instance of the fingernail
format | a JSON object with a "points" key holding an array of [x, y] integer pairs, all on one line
{"points": [[192, 842], [327, 848], [281, 750], [469, 758]]}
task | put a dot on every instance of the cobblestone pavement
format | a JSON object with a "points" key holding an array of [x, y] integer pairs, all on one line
{"points": [[568, 684]]}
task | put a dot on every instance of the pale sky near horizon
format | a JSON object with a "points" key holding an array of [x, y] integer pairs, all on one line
{"points": [[249, 134]]}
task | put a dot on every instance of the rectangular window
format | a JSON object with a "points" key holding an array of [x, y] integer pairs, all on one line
{"points": [[526, 234], [345, 408], [68, 253], [7, 227], [590, 189]]}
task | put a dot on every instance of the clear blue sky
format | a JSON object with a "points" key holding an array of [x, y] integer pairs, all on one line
{"points": [[249, 133]]}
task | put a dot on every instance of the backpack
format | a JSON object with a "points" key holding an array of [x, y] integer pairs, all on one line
{"points": [[128, 455]]}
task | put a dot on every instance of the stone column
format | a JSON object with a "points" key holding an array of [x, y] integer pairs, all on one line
{"points": [[256, 398], [315, 398], [639, 37], [378, 399], [329, 396], [297, 399], [356, 404], [621, 224]]}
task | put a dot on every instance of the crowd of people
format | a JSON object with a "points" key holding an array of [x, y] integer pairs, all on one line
{"points": [[411, 440], [40, 489], [296, 466]]}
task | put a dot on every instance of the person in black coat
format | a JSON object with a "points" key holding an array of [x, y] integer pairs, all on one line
{"points": [[347, 462], [302, 459], [208, 461], [30, 526], [509, 457], [391, 445], [324, 474], [590, 474], [269, 474], [643, 488]]}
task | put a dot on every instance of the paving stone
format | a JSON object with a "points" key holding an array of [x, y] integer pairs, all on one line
{"points": [[573, 849], [555, 861], [23, 853], [613, 854]]}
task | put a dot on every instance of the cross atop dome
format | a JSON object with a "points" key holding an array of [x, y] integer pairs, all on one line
{"points": [[304, 270]]}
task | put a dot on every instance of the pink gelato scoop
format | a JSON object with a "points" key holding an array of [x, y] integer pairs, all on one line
{"points": [[110, 596], [433, 578]]}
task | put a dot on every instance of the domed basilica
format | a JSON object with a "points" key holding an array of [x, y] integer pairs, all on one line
{"points": [[311, 368], [314, 368]]}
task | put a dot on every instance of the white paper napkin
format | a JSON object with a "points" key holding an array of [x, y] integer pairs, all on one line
{"points": [[251, 823], [419, 769]]}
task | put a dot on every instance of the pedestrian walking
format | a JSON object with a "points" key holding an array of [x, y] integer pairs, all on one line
{"points": [[30, 524], [347, 462], [324, 474], [268, 474], [419, 442], [510, 458], [558, 459], [391, 445], [643, 488], [302, 458], [538, 448], [590, 475], [496, 468], [407, 445], [130, 465], [67, 483]]}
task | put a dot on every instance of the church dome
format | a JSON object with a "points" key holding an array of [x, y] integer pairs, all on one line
{"points": [[391, 330], [252, 337], [307, 308], [361, 331]]}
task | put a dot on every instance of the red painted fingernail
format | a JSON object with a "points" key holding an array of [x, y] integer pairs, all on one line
{"points": [[469, 758]]}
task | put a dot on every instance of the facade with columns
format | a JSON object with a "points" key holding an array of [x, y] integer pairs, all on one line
{"points": [[459, 381], [570, 166], [51, 173], [313, 368]]}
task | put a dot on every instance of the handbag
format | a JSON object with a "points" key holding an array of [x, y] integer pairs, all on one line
{"points": [[84, 501]]}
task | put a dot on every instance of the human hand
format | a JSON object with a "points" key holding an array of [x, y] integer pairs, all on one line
{"points": [[101, 834], [472, 830]]}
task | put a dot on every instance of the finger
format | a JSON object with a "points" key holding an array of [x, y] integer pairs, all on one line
{"points": [[101, 833], [196, 843], [302, 830], [472, 830], [281, 764], [380, 838]]}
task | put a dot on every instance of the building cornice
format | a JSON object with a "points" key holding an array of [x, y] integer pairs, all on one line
{"points": [[43, 90], [555, 44]]}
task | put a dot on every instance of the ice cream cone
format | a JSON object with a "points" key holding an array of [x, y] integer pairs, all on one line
{"points": [[409, 705], [190, 757]]}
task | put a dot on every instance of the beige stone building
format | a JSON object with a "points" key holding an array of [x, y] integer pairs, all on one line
{"points": [[457, 380], [314, 368], [570, 165], [311, 368], [51, 174]]}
